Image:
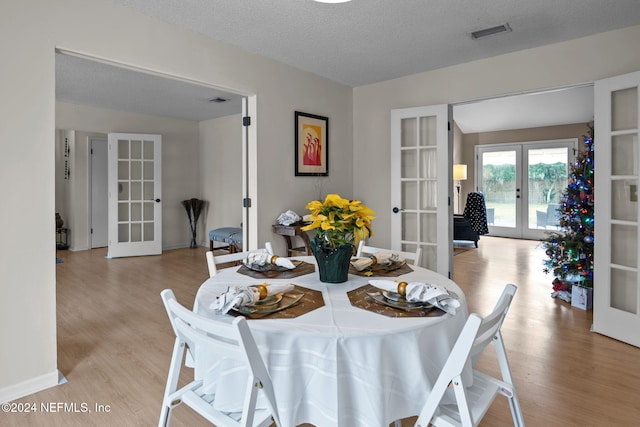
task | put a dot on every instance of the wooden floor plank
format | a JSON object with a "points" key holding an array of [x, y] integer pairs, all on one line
{"points": [[114, 341]]}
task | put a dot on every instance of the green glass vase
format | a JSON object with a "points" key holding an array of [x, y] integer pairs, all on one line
{"points": [[333, 263]]}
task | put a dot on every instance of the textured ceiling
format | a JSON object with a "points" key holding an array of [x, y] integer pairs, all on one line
{"points": [[355, 43], [85, 82], [550, 108], [368, 41]]}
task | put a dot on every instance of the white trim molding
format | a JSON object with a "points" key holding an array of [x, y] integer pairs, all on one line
{"points": [[29, 386]]}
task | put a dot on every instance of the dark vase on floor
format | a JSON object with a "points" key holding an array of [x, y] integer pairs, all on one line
{"points": [[59, 221], [333, 264], [194, 208]]}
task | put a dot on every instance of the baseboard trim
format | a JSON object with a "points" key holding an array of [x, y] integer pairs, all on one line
{"points": [[30, 386], [177, 246], [164, 248]]}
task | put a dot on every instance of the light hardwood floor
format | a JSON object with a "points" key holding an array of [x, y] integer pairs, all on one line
{"points": [[114, 341]]}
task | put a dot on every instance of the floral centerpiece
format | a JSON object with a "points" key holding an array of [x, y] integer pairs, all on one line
{"points": [[340, 224]]}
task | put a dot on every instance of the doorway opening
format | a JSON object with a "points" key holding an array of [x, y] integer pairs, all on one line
{"points": [[531, 132], [119, 90]]}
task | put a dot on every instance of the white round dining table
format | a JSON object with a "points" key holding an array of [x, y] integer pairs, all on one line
{"points": [[341, 365]]}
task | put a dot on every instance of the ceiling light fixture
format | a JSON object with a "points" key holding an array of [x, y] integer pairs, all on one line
{"points": [[503, 28], [218, 100]]}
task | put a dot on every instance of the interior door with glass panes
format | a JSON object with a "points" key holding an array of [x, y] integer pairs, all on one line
{"points": [[135, 191], [616, 282], [421, 184]]}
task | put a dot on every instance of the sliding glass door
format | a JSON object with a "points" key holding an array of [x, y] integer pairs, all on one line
{"points": [[522, 184]]}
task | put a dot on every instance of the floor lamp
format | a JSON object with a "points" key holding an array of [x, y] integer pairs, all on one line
{"points": [[459, 174]]}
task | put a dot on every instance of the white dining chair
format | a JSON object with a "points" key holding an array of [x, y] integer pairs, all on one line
{"points": [[214, 261], [474, 391], [228, 338], [414, 257]]}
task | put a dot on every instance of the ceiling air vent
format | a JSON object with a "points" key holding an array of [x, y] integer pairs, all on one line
{"points": [[504, 28], [218, 100]]}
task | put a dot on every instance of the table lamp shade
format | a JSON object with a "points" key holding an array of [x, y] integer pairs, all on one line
{"points": [[459, 172]]}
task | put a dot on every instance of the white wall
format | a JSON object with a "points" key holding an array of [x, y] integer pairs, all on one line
{"points": [[221, 172], [180, 179], [29, 34], [278, 188], [578, 61]]}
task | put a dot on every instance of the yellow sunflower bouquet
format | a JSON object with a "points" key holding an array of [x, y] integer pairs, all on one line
{"points": [[339, 221]]}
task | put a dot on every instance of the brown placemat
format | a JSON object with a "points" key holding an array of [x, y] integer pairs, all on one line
{"points": [[311, 300], [359, 298], [382, 272], [302, 269]]}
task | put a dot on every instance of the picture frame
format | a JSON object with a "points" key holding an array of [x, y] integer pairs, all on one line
{"points": [[311, 145]]}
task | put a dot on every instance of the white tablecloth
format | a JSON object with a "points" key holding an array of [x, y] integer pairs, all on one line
{"points": [[341, 365]]}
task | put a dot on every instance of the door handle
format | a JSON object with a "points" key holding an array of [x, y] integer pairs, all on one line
{"points": [[157, 200], [396, 210]]}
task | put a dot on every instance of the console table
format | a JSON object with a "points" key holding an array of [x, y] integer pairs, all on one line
{"points": [[289, 232]]}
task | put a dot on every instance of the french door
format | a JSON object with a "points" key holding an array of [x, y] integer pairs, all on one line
{"points": [[522, 184], [135, 192], [616, 282], [421, 183]]}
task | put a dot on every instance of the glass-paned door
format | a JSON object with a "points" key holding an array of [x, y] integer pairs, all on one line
{"points": [[523, 185], [500, 181], [134, 181], [421, 184], [616, 281]]}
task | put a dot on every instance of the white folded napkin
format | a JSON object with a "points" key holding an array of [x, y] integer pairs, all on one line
{"points": [[379, 258], [257, 260], [239, 296], [289, 217], [423, 292]]}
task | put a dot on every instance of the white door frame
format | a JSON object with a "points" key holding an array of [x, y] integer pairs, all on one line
{"points": [[250, 174]]}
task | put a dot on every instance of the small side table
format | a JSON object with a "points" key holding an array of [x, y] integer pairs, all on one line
{"points": [[290, 231], [62, 238]]}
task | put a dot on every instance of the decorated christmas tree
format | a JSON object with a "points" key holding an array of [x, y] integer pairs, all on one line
{"points": [[570, 252]]}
